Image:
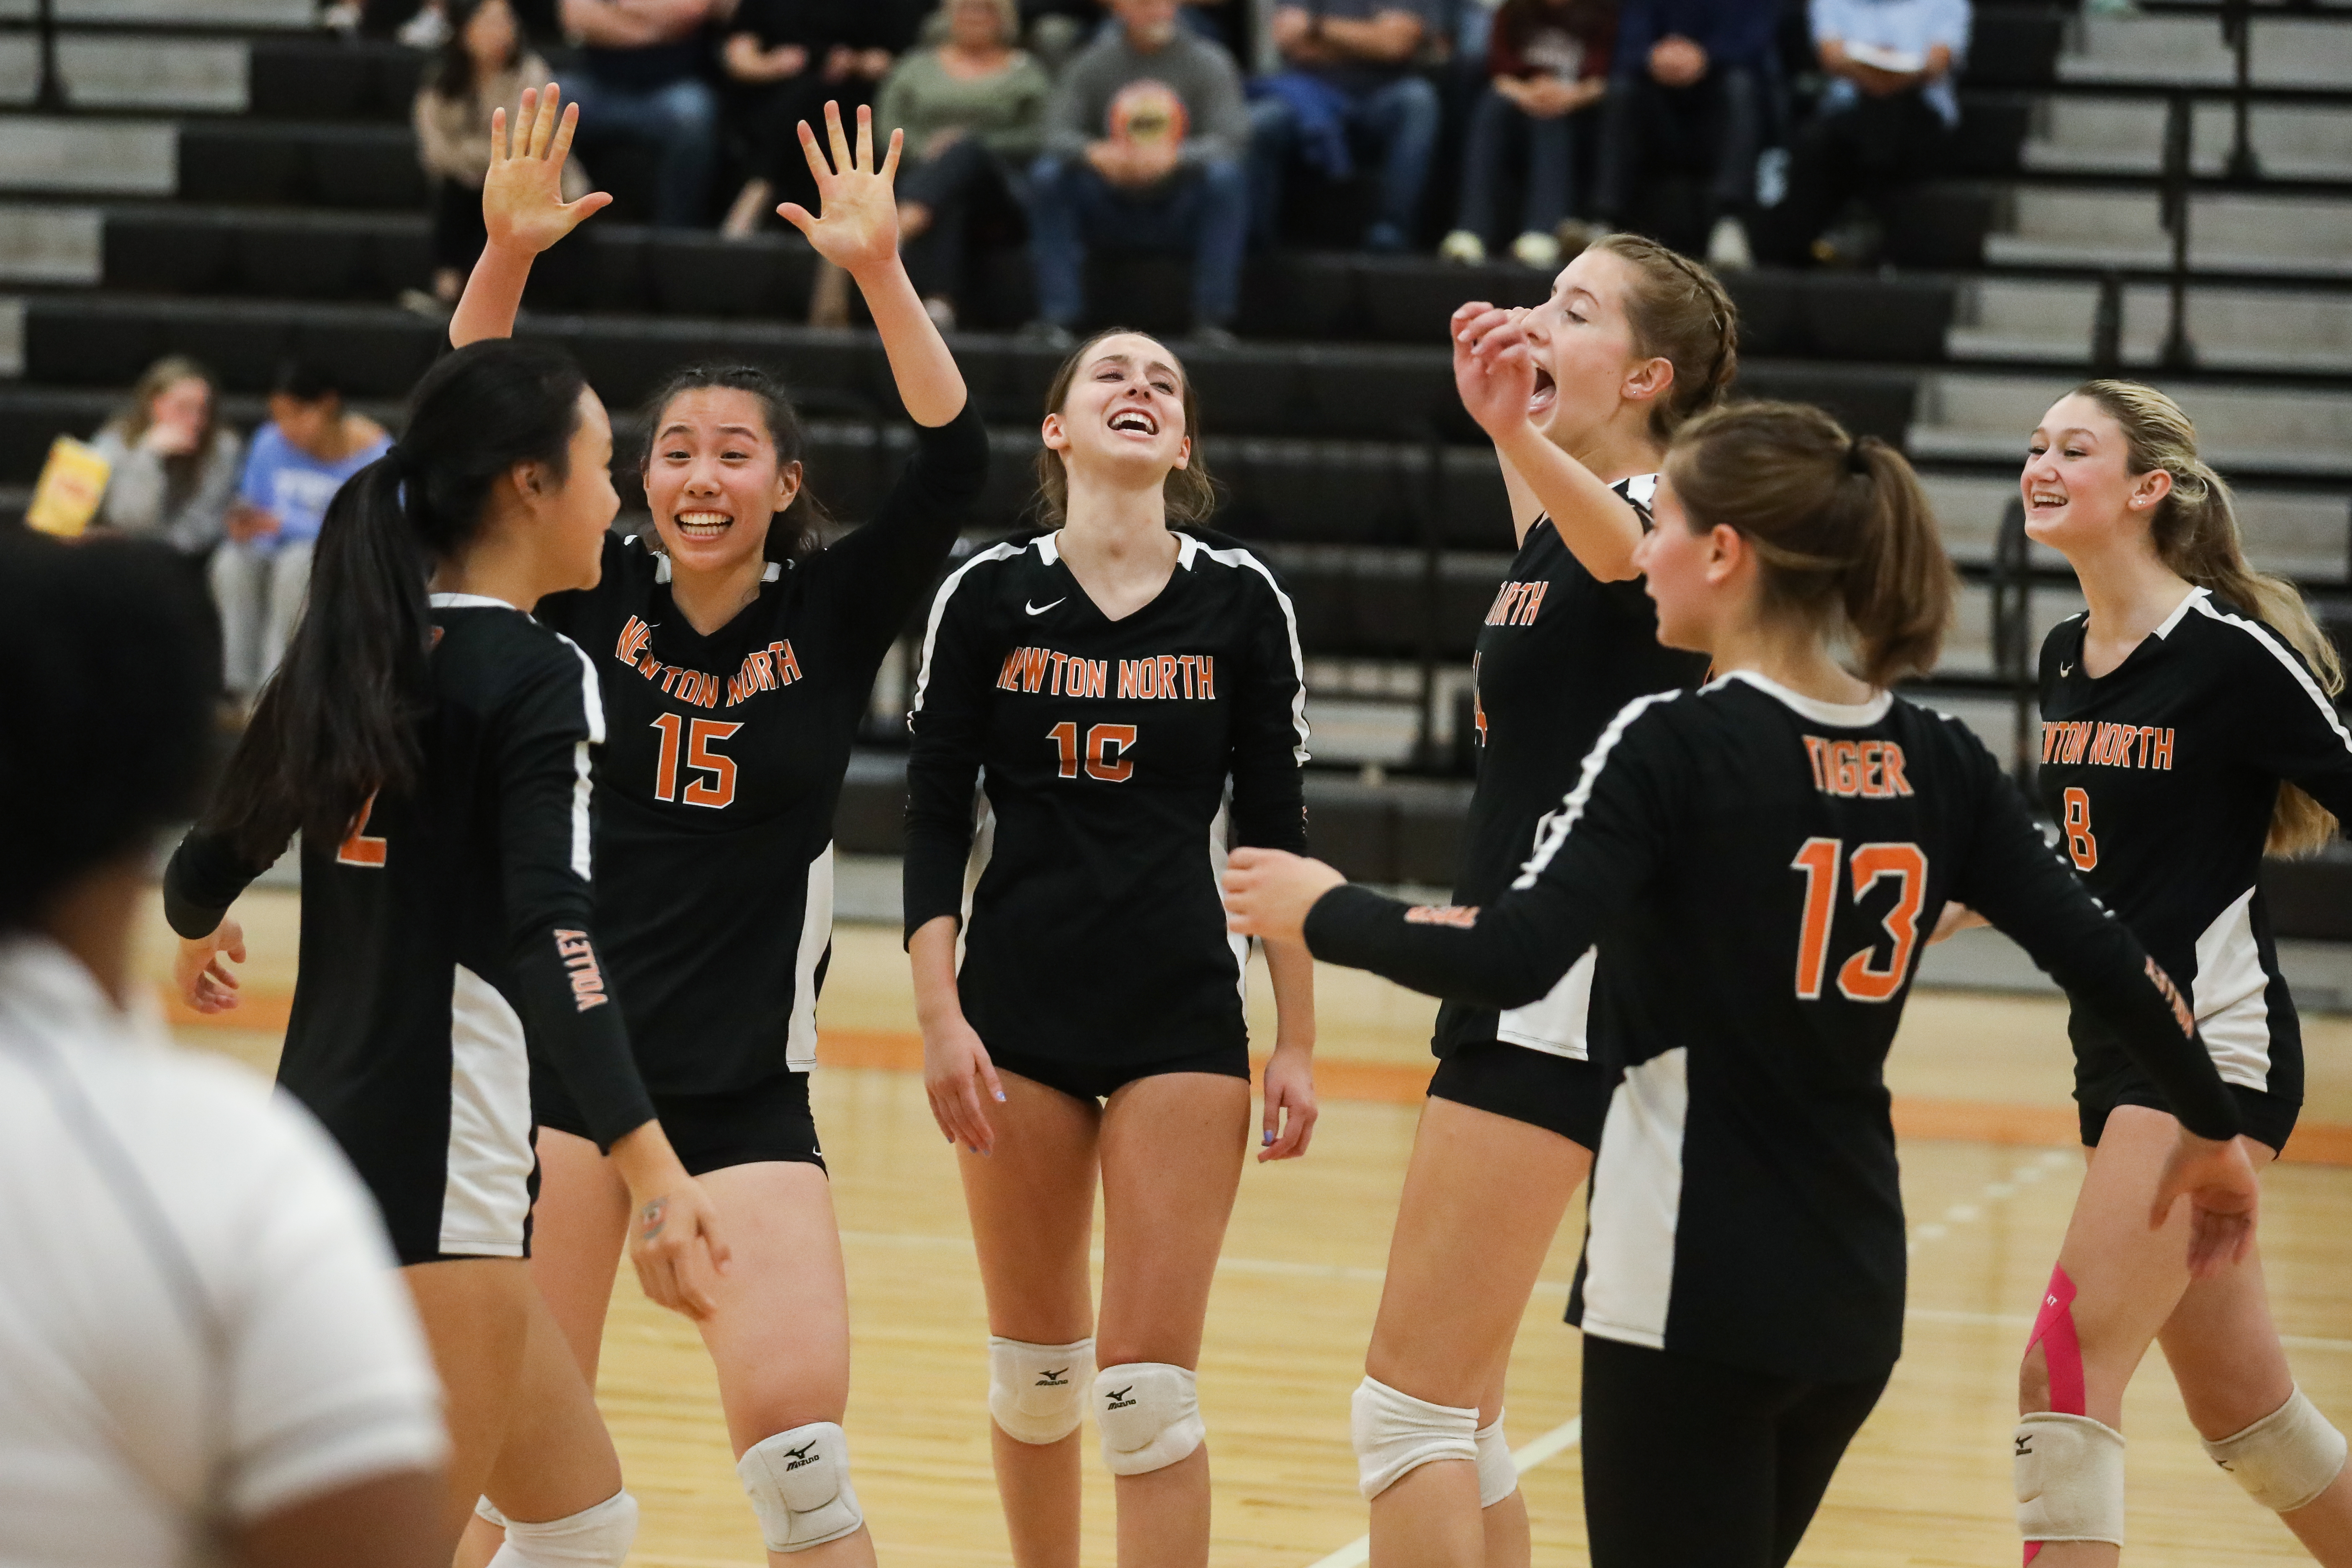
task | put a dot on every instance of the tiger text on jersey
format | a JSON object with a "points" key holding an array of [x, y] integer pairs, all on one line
{"points": [[579, 958], [1852, 770], [2101, 745], [1517, 603]]}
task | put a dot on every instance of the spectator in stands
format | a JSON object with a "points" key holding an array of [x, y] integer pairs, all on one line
{"points": [[640, 81], [787, 60], [1548, 65], [973, 109], [1348, 81], [482, 65], [174, 463], [1689, 92], [1144, 136], [297, 461], [206, 1354], [1885, 119]]}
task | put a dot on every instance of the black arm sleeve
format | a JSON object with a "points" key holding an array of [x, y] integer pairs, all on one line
{"points": [[1269, 733], [2018, 882], [949, 721], [204, 878], [2287, 724], [878, 573], [1591, 857], [543, 843]]}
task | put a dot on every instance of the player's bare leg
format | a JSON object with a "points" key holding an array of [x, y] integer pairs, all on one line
{"points": [[476, 1312], [558, 1460]]}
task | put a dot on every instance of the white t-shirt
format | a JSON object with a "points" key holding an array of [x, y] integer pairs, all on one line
{"points": [[200, 1320]]}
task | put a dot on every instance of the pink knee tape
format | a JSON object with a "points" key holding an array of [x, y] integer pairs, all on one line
{"points": [[2062, 1357]]}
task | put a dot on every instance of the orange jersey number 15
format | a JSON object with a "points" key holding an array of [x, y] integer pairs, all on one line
{"points": [[694, 738]]}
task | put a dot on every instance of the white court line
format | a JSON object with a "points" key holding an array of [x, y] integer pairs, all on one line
{"points": [[1550, 1445]]}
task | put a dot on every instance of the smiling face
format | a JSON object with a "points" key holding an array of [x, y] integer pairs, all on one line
{"points": [[182, 405], [1694, 578], [1123, 417], [2078, 487], [1588, 363], [713, 479]]}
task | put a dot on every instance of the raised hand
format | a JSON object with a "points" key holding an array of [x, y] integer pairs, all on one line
{"points": [[858, 226], [522, 196], [1493, 371]]}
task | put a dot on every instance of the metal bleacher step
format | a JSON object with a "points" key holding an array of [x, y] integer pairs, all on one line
{"points": [[2254, 430], [253, 14], [2288, 51], [2126, 136], [132, 71], [51, 246], [2286, 331], [2232, 231], [114, 157]]}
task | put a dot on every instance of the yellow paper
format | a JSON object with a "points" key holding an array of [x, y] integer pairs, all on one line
{"points": [[72, 483]]}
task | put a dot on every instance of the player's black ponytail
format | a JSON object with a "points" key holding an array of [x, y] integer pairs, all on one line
{"points": [[1841, 525], [339, 720]]}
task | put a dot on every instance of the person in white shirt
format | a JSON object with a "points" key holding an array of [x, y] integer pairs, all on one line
{"points": [[206, 1355]]}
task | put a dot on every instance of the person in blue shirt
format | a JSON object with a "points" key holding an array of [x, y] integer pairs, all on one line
{"points": [[1886, 122], [1689, 92], [297, 463], [1347, 85]]}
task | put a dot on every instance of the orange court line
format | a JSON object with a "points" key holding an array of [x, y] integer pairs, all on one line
{"points": [[1402, 1083]]}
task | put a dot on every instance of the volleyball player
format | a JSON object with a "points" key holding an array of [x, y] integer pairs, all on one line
{"points": [[432, 745], [1757, 861], [1633, 342], [2187, 726], [1096, 690], [735, 660]]}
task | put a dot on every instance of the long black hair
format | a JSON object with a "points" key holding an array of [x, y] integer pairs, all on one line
{"points": [[106, 718], [451, 74], [792, 532], [338, 721]]}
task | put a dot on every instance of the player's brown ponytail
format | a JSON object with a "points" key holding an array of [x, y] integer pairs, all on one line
{"points": [[1841, 526], [2195, 530], [1679, 313], [1191, 495]]}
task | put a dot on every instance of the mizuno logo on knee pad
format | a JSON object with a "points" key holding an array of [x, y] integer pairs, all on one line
{"points": [[1060, 1378], [1034, 1391], [1150, 1416], [798, 1482], [1120, 1400]]}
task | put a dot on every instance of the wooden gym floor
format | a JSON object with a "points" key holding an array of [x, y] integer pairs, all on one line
{"points": [[1989, 1173]]}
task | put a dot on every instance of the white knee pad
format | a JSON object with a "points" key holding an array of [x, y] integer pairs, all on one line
{"points": [[2285, 1460], [2070, 1479], [1499, 1473], [799, 1485], [486, 1509], [597, 1537], [1038, 1393], [1396, 1434], [1148, 1413]]}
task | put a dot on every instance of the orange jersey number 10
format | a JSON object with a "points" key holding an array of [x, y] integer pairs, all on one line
{"points": [[1105, 754], [1858, 977], [694, 738]]}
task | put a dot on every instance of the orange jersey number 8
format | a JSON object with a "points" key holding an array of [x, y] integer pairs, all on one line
{"points": [[2081, 844]]}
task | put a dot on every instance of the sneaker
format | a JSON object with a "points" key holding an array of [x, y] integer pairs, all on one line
{"points": [[1045, 335], [1462, 247], [1386, 240], [1214, 337], [1727, 246], [1540, 251]]}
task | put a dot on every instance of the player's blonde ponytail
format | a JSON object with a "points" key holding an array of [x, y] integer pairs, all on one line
{"points": [[1844, 533], [2195, 531]]}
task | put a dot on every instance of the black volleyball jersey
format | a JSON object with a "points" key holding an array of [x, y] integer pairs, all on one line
{"points": [[2162, 775], [465, 904], [1560, 653], [719, 779], [1761, 870], [1103, 752]]}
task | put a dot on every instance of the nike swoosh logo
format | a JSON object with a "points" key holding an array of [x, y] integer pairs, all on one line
{"points": [[1040, 609], [2065, 670]]}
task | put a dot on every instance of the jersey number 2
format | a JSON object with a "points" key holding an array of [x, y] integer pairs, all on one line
{"points": [[1106, 751], [697, 736], [1861, 980]]}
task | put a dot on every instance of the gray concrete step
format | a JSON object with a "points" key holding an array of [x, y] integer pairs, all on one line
{"points": [[2287, 51], [1971, 415], [2126, 136], [2233, 329], [273, 14], [2078, 227], [138, 72], [50, 244], [12, 337], [127, 157]]}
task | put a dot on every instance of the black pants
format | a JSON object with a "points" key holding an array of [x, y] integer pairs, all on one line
{"points": [[965, 182], [772, 113], [1873, 148], [457, 232], [1712, 128], [1690, 1464]]}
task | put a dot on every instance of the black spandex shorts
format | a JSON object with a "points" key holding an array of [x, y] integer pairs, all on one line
{"points": [[2268, 1119], [1558, 1094], [768, 1119], [1099, 1080], [1689, 1464]]}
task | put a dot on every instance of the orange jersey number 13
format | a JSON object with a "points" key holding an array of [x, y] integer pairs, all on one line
{"points": [[1858, 977]]}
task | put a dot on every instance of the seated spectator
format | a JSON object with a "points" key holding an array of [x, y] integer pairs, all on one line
{"points": [[175, 464], [787, 60], [298, 460], [1347, 82], [640, 81], [1885, 119], [1143, 145], [482, 65], [1688, 94], [973, 109], [204, 1353], [1548, 63]]}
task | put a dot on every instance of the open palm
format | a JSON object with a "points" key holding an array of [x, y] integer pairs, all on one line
{"points": [[857, 226], [522, 196]]}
